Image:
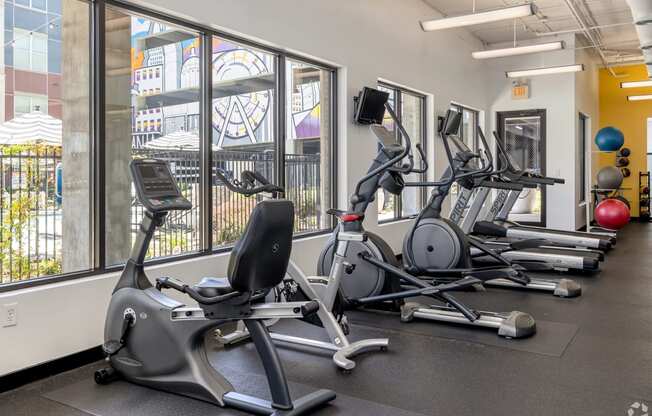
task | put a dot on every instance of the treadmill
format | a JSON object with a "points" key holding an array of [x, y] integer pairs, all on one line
{"points": [[472, 201], [547, 256], [522, 232]]}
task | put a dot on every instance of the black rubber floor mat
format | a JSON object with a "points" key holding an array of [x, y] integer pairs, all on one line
{"points": [[125, 399], [551, 338]]}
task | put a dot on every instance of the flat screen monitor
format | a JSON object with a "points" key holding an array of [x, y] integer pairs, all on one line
{"points": [[371, 106]]}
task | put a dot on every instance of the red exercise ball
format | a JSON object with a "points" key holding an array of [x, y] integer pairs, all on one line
{"points": [[612, 214]]}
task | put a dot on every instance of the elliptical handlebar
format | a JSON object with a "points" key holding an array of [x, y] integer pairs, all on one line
{"points": [[509, 166], [391, 162], [247, 184], [483, 169], [424, 160], [409, 167], [522, 173]]}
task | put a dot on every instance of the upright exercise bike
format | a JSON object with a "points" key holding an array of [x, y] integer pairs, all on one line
{"points": [[156, 341], [372, 276], [298, 286]]}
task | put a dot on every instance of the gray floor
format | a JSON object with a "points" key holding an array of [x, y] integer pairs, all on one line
{"points": [[592, 356]]}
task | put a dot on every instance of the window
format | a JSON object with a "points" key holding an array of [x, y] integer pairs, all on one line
{"points": [[46, 219], [411, 113], [28, 103], [469, 127], [137, 46], [468, 134], [266, 111], [34, 4], [413, 120], [308, 144], [30, 50], [243, 122], [245, 136]]}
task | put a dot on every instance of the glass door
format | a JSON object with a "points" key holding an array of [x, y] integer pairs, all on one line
{"points": [[524, 134]]}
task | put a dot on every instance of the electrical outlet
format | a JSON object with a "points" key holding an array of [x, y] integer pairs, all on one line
{"points": [[9, 315]]}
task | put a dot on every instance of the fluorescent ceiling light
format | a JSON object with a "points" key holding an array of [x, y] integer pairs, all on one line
{"points": [[639, 97], [545, 71], [519, 50], [636, 84], [478, 18]]}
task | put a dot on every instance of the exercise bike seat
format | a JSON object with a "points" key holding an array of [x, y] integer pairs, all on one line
{"points": [[213, 286]]}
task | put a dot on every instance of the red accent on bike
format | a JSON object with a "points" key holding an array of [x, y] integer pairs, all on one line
{"points": [[350, 217]]}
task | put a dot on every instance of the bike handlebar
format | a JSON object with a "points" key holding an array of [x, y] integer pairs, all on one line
{"points": [[178, 285], [247, 186]]}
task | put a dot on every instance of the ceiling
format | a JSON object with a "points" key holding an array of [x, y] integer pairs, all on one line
{"points": [[615, 33]]}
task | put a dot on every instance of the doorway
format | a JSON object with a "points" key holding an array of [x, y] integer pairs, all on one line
{"points": [[524, 136]]}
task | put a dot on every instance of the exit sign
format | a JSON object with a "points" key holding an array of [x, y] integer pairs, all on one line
{"points": [[520, 91]]}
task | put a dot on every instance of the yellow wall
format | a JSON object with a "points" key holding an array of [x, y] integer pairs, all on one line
{"points": [[630, 118]]}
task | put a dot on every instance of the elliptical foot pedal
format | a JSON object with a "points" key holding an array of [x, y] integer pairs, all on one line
{"points": [[519, 278], [111, 347], [477, 287], [408, 309], [517, 325], [567, 288]]}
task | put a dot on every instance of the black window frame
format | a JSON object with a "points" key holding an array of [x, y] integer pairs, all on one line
{"points": [[398, 92], [98, 152]]}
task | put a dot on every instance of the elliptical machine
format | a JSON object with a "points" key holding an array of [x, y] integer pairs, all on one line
{"points": [[156, 341], [372, 275], [437, 247]]}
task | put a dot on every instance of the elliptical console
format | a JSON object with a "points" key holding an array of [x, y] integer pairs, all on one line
{"points": [[156, 188]]}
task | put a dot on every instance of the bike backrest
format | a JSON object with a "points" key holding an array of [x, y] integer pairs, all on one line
{"points": [[260, 257]]}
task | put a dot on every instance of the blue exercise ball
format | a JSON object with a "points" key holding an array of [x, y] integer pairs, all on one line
{"points": [[609, 139]]}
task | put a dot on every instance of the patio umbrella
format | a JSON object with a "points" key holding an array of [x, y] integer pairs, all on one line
{"points": [[179, 140], [30, 128]]}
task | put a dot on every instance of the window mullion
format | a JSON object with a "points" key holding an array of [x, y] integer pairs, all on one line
{"points": [[424, 146], [206, 143], [398, 206], [279, 113], [98, 62]]}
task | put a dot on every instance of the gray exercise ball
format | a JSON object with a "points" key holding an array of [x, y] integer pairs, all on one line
{"points": [[610, 177]]}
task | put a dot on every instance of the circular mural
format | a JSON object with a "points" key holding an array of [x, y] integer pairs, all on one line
{"points": [[239, 116]]}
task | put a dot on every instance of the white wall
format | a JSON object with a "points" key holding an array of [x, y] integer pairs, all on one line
{"points": [[556, 95], [587, 101], [366, 39]]}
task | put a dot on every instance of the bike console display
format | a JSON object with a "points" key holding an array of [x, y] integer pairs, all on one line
{"points": [[156, 187]]}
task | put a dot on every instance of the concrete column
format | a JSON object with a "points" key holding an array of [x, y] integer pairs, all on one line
{"points": [[325, 139], [117, 136], [76, 137]]}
